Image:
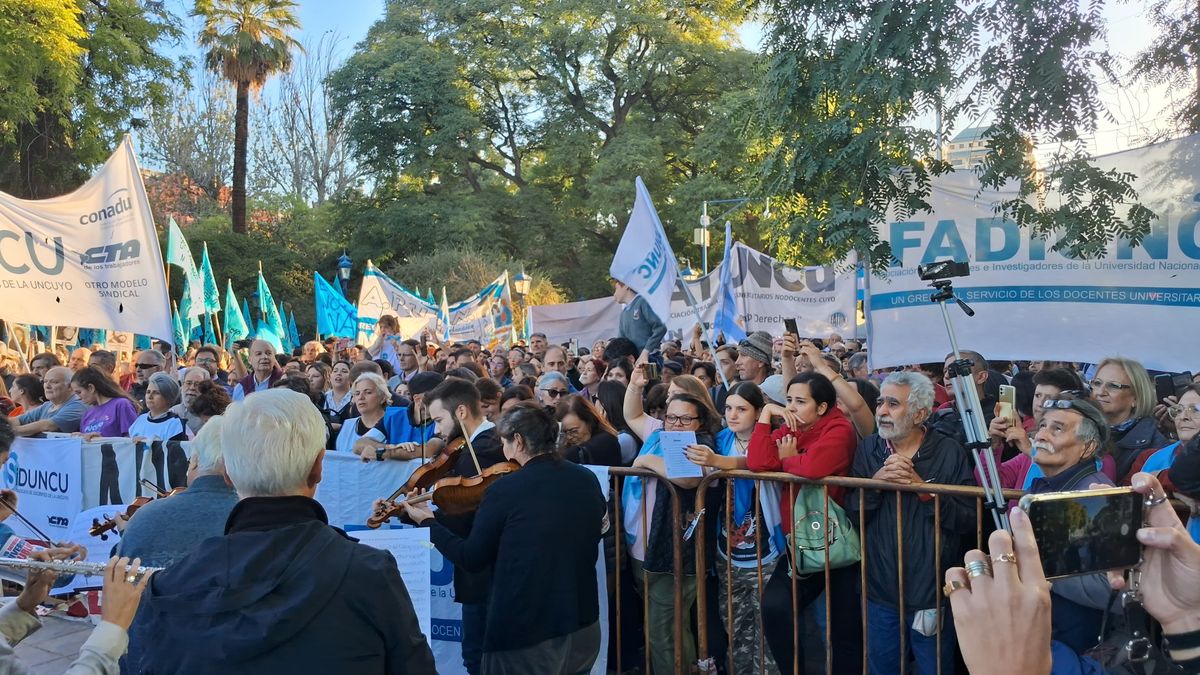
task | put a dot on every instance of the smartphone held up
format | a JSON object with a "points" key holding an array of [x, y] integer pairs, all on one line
{"points": [[1086, 531]]}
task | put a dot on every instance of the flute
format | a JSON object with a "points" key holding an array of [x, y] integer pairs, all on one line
{"points": [[89, 569]]}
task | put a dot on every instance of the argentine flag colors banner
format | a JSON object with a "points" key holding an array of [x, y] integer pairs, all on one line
{"points": [[1034, 303]]}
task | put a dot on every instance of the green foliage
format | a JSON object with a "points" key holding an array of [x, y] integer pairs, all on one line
{"points": [[849, 82], [69, 117], [1174, 55], [517, 128]]}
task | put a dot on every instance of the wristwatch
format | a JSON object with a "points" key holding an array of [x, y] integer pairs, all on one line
{"points": [[379, 453]]}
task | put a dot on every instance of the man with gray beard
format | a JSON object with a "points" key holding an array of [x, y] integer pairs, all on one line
{"points": [[907, 452]]}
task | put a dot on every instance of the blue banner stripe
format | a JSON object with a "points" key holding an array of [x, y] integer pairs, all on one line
{"points": [[1110, 295]]}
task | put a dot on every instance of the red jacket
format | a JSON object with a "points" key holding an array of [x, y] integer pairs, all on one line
{"points": [[825, 449]]}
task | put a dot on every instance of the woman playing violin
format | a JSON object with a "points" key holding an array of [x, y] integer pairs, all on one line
{"points": [[539, 529]]}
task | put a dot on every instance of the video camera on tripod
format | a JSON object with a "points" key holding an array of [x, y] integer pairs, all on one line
{"points": [[940, 274]]}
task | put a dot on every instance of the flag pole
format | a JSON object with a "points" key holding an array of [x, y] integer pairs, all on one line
{"points": [[712, 343], [217, 328]]}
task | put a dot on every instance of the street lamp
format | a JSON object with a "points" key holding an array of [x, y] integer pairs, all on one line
{"points": [[702, 236], [344, 265], [521, 283]]}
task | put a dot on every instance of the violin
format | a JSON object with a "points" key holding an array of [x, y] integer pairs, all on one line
{"points": [[102, 528], [434, 470], [456, 495]]}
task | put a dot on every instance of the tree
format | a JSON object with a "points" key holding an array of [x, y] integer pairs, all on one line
{"points": [[247, 42], [849, 83], [1173, 58], [301, 147], [73, 77], [518, 128], [192, 134]]}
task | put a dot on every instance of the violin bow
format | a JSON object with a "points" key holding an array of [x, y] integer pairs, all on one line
{"points": [[153, 486], [471, 447], [12, 507]]}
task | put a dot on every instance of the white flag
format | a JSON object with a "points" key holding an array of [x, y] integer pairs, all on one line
{"points": [[89, 258], [644, 260]]}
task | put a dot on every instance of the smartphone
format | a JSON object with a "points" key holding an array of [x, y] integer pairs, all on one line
{"points": [[574, 346], [789, 325], [1087, 531], [1008, 403], [1164, 386], [1182, 380], [651, 371]]}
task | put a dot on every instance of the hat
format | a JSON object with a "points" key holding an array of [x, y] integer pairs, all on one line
{"points": [[758, 346], [774, 389], [423, 382], [673, 366], [167, 386]]}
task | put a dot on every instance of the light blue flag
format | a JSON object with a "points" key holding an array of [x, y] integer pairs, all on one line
{"points": [[235, 324], [212, 301], [444, 311], [335, 315], [209, 338], [180, 336], [246, 318], [265, 332], [726, 318], [187, 314], [293, 332], [270, 312], [141, 342]]}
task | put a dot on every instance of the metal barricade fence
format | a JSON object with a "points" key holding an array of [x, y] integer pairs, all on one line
{"points": [[791, 483]]}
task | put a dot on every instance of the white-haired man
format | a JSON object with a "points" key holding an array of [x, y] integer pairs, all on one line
{"points": [[905, 452], [281, 591], [189, 387]]}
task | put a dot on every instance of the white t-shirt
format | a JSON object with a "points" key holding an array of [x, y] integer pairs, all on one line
{"points": [[166, 428]]}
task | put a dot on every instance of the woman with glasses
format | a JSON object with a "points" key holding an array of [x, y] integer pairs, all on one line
{"points": [[652, 549], [552, 387], [1186, 416], [588, 438], [500, 371], [1124, 393]]}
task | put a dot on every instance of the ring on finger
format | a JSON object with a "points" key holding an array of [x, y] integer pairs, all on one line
{"points": [[1005, 558], [978, 568], [131, 578], [952, 586], [1153, 500]]}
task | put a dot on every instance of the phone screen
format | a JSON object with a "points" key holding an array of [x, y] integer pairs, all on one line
{"points": [[1164, 386], [1086, 532], [790, 326]]}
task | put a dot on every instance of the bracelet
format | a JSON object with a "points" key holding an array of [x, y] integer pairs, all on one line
{"points": [[837, 377], [1189, 640]]}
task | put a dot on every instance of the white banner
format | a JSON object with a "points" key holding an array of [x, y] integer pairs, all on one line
{"points": [[821, 299], [46, 474], [381, 295], [1034, 303], [487, 316], [91, 256]]}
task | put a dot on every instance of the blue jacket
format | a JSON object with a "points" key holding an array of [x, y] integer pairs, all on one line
{"points": [[641, 325]]}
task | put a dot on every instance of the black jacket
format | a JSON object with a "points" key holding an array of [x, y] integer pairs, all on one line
{"points": [[602, 449], [471, 587], [540, 529], [940, 459], [281, 592]]}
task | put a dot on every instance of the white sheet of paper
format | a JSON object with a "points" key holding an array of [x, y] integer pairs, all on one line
{"points": [[673, 445], [411, 549]]}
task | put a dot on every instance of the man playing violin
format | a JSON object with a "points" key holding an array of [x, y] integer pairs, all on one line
{"points": [[455, 407]]}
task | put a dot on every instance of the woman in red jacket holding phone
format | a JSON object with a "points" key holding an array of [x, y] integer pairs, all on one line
{"points": [[816, 440]]}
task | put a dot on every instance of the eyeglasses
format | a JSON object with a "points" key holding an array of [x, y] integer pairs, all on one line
{"points": [[680, 419], [1178, 411], [147, 366], [555, 393], [206, 360], [1109, 386]]}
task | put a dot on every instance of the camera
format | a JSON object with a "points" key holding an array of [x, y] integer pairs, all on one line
{"points": [[943, 269], [1087, 531]]}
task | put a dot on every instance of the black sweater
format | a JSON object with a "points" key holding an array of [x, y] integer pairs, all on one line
{"points": [[539, 530]]}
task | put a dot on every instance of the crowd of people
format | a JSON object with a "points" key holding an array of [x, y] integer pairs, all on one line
{"points": [[255, 578]]}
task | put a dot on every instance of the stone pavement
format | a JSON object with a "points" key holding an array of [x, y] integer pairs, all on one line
{"points": [[52, 648]]}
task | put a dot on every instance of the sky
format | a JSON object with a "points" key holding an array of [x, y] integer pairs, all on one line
{"points": [[1136, 111]]}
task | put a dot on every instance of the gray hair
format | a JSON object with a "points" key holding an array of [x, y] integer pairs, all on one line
{"points": [[553, 376], [857, 360], [380, 385], [271, 441], [206, 446], [1090, 435], [920, 392]]}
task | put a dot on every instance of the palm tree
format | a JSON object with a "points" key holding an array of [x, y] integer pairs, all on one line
{"points": [[247, 41]]}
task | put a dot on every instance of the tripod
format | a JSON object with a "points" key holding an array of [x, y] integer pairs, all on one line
{"points": [[970, 410]]}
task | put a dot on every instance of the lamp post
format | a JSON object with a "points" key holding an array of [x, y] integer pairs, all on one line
{"points": [[702, 236], [344, 265], [520, 284]]}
